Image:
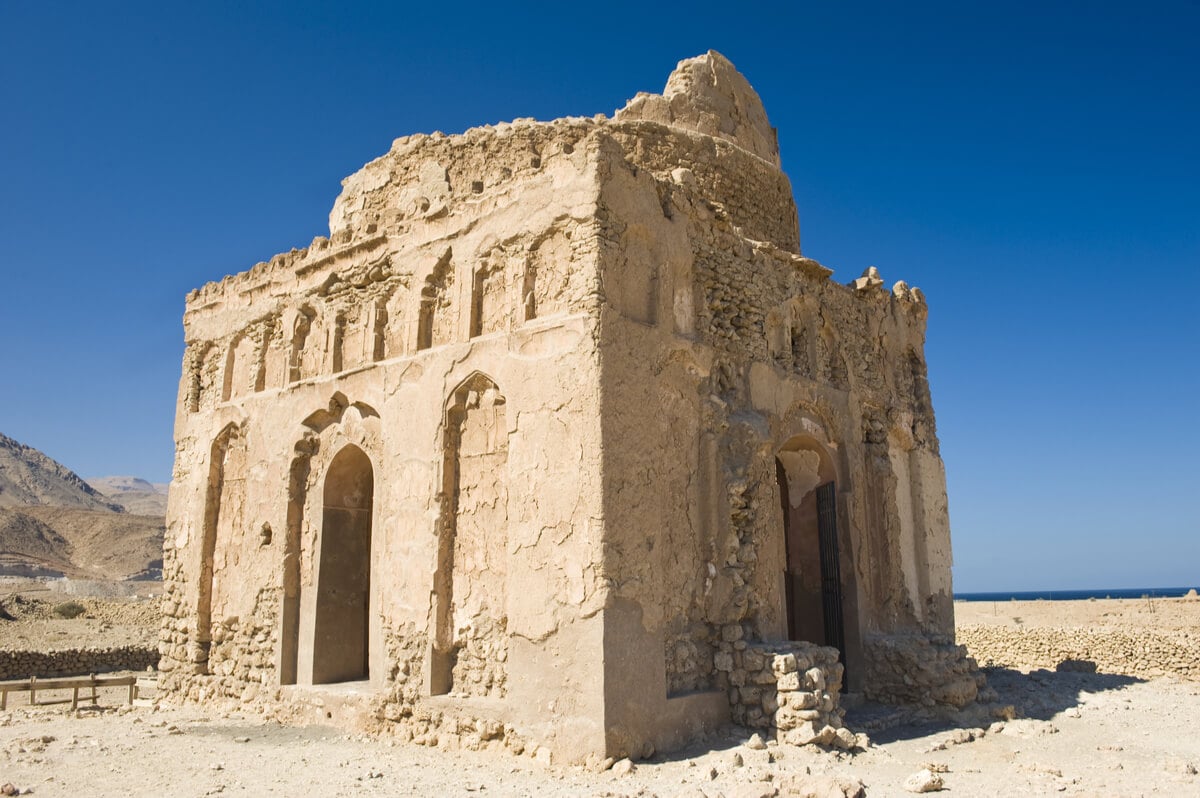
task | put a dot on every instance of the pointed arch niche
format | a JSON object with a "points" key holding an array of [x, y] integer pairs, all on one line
{"points": [[471, 616], [220, 538], [326, 630], [289, 633], [435, 322]]}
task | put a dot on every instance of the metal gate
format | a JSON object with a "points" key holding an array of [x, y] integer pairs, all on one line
{"points": [[831, 574], [789, 579]]}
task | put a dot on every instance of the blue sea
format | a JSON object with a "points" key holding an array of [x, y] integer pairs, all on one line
{"points": [[1075, 595]]}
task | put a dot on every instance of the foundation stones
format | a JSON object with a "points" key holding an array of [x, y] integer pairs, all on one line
{"points": [[796, 707]]}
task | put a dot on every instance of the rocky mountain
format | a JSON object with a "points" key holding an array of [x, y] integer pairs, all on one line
{"points": [[28, 477], [53, 523], [30, 547], [81, 544]]}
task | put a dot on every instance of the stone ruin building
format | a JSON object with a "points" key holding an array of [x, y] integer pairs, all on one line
{"points": [[558, 443]]}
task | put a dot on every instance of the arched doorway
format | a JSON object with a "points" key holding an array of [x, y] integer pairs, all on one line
{"points": [[340, 640], [813, 587]]}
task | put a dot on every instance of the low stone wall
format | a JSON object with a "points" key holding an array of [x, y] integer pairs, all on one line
{"points": [[789, 689], [917, 670], [75, 661], [1145, 653]]}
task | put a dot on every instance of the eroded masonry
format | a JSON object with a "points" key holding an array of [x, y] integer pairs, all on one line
{"points": [[558, 443]]}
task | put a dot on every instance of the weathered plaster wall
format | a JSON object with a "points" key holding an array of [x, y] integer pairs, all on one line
{"points": [[455, 349], [476, 471]]}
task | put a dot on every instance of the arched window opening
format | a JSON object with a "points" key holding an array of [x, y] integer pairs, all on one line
{"points": [[379, 331], [434, 323], [488, 310], [301, 330]]}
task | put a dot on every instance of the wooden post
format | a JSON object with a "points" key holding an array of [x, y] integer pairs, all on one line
{"points": [[32, 690], [74, 698]]}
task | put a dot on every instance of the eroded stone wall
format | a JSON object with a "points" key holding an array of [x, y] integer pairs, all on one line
{"points": [[920, 670], [723, 350], [1145, 654], [75, 661]]}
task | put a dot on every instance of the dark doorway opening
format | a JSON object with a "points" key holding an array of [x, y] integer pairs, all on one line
{"points": [[812, 574], [341, 638]]}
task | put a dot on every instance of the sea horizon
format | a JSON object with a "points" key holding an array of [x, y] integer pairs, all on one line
{"points": [[1075, 595]]}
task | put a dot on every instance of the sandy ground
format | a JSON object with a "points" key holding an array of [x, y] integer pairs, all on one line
{"points": [[1075, 734], [28, 622], [1160, 614]]}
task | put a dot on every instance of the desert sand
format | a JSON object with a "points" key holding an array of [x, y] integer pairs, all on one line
{"points": [[1071, 733]]}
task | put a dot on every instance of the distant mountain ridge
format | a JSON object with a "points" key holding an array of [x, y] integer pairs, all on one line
{"points": [[29, 477], [134, 494], [114, 486], [53, 523]]}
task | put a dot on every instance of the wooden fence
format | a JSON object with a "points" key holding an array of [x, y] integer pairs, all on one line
{"points": [[33, 685]]}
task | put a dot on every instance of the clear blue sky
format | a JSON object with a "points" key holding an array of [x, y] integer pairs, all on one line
{"points": [[1033, 168]]}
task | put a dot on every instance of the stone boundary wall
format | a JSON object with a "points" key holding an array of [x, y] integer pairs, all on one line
{"points": [[1144, 654], [75, 661], [919, 671], [790, 689]]}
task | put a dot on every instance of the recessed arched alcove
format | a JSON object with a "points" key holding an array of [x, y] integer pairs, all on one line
{"points": [[471, 584], [341, 624], [223, 511], [819, 598]]}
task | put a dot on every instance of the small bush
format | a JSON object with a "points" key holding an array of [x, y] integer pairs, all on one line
{"points": [[69, 609]]}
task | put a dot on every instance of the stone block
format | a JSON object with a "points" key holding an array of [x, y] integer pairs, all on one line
{"points": [[788, 682], [784, 663]]}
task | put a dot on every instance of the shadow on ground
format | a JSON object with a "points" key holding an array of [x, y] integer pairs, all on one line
{"points": [[1040, 695]]}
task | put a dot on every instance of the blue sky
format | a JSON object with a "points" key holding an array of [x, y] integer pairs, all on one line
{"points": [[1033, 168]]}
